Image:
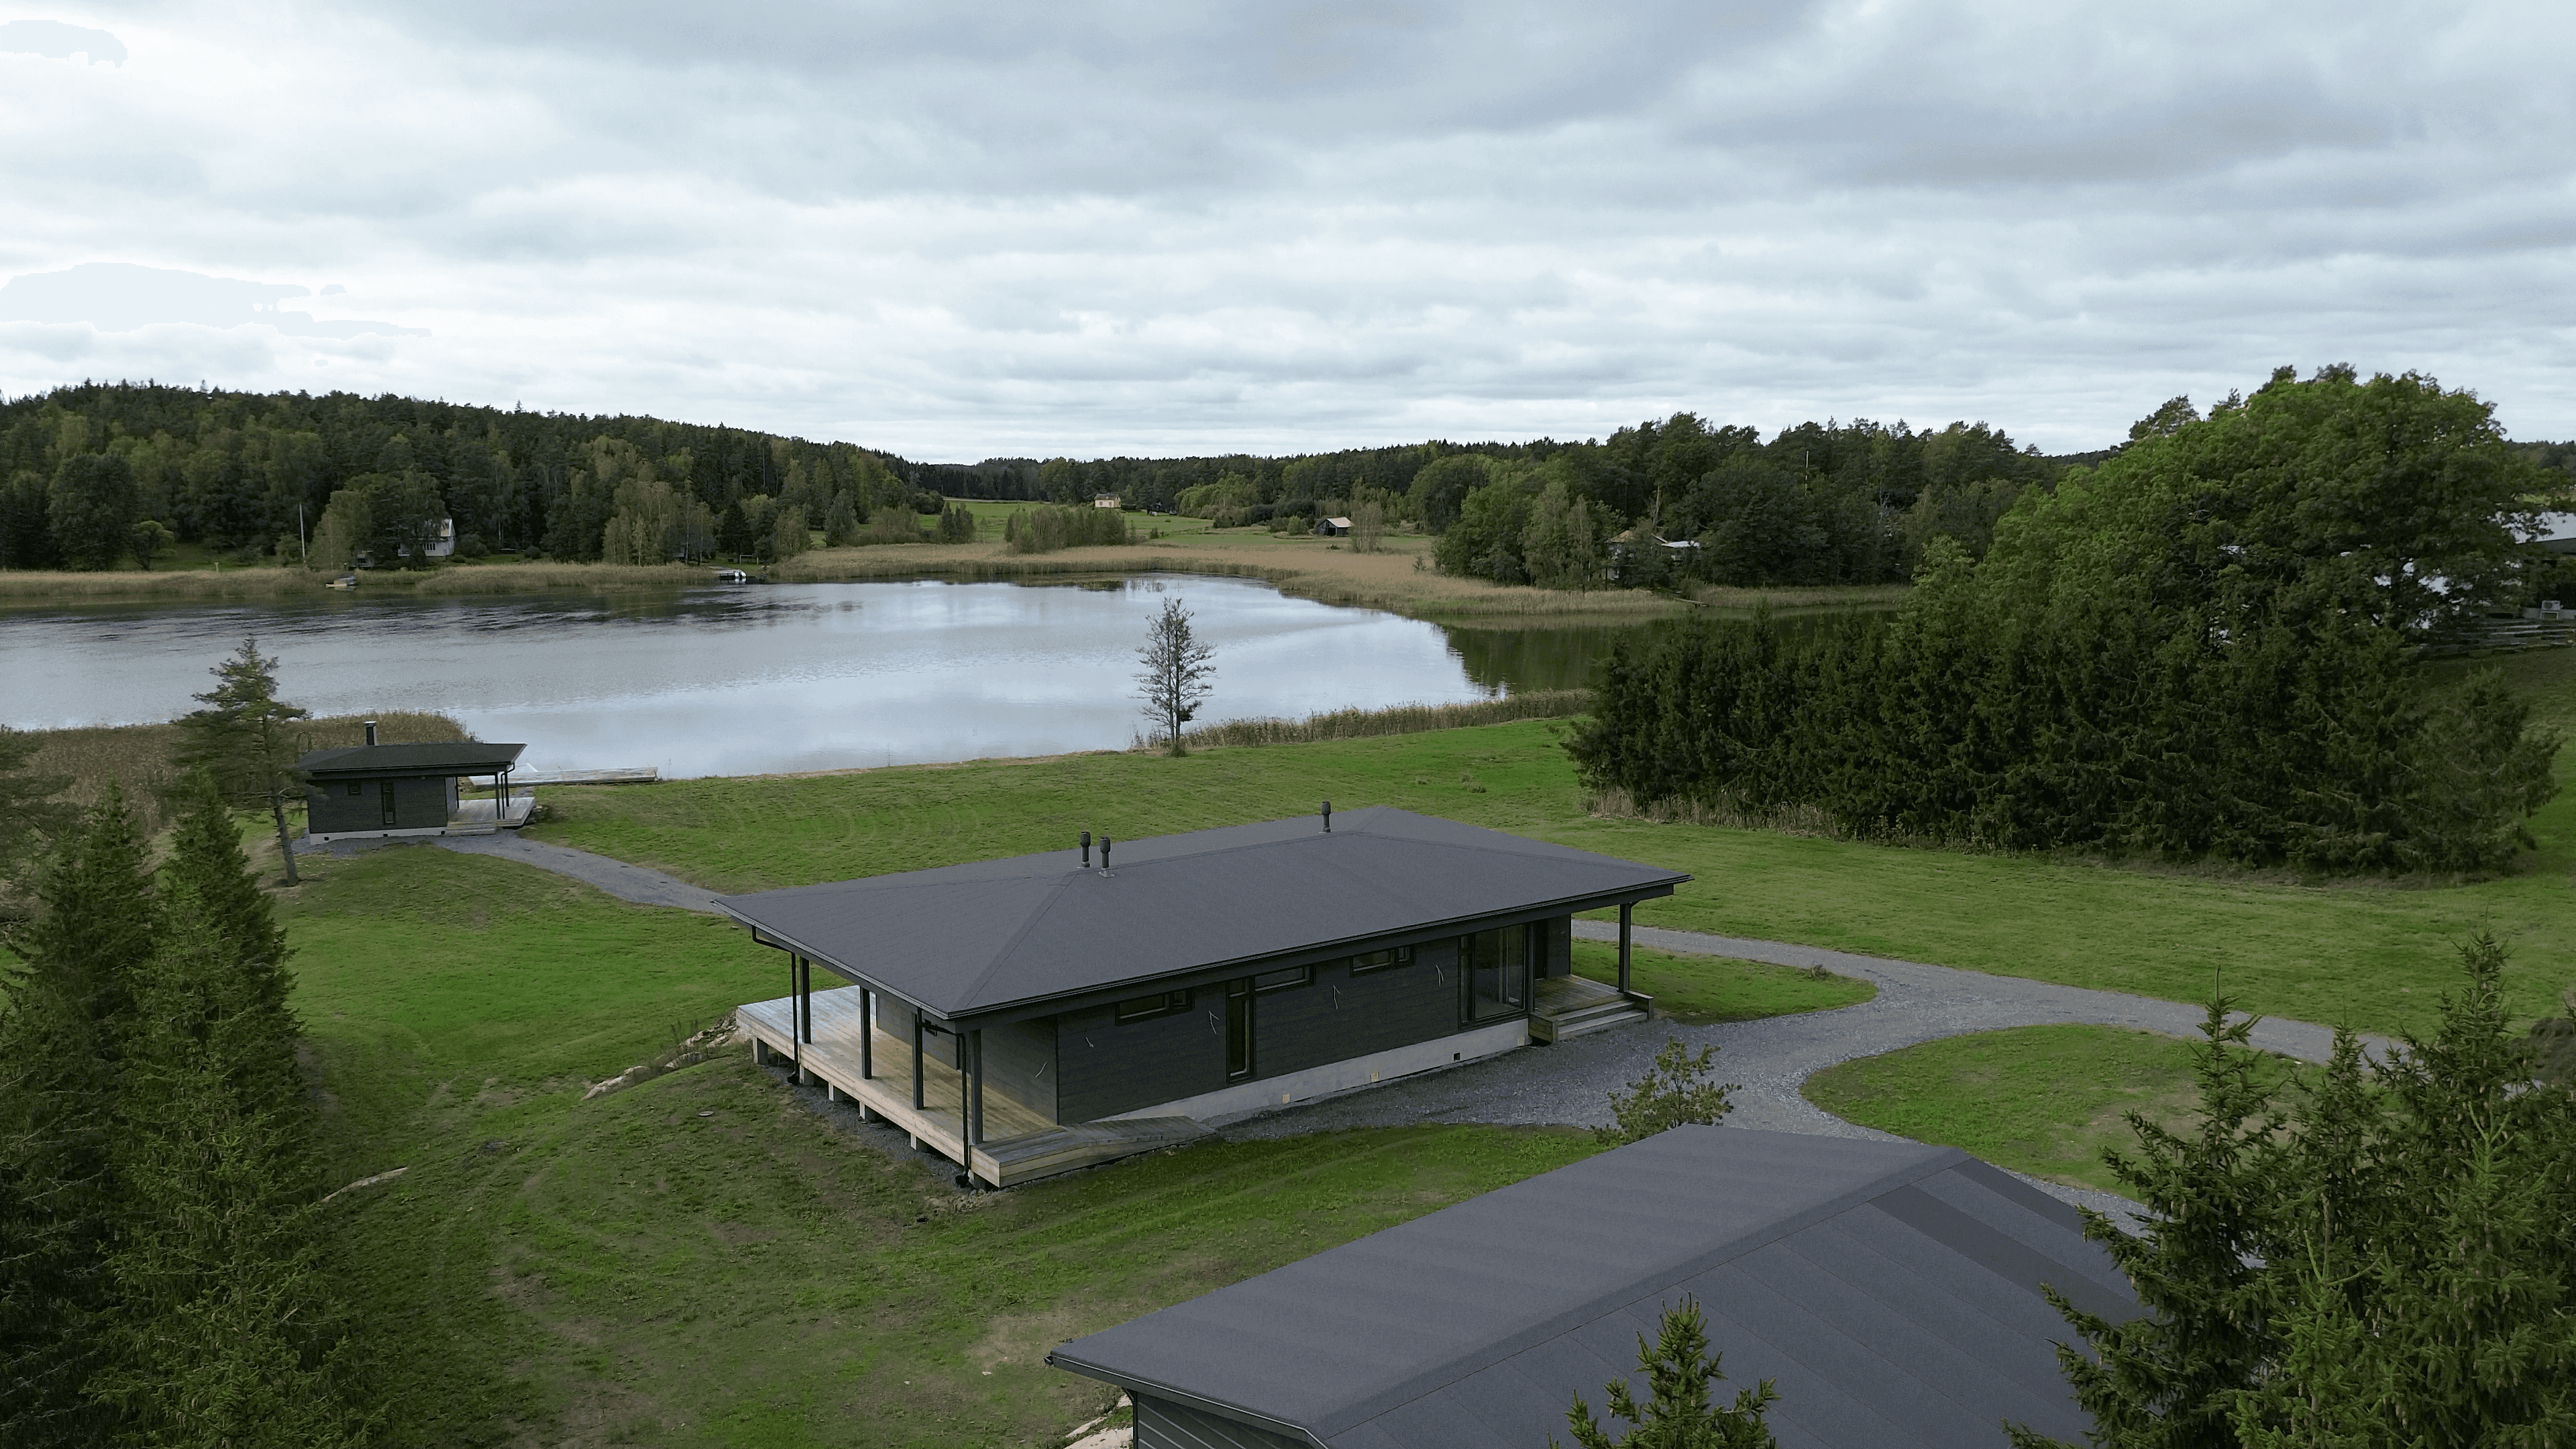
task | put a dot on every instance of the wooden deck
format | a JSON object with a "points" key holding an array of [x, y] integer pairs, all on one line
{"points": [[1020, 1142], [1567, 1006]]}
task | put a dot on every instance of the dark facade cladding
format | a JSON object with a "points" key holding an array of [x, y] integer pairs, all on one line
{"points": [[393, 787], [1892, 1290]]}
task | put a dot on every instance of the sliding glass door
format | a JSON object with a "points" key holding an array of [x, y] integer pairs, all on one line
{"points": [[1493, 974]]}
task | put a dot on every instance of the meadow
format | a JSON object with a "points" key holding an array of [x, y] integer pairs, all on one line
{"points": [[2370, 953]]}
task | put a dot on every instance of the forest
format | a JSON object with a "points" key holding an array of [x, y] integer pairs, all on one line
{"points": [[2205, 647]]}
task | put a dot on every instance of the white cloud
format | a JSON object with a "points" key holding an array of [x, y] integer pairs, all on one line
{"points": [[1104, 228]]}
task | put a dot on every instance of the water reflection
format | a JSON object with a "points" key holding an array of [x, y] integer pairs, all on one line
{"points": [[785, 677]]}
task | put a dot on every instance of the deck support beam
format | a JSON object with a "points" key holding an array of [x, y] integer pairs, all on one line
{"points": [[1624, 908]]}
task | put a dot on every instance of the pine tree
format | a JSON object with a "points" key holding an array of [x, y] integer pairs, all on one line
{"points": [[64, 1044], [1177, 665], [241, 738], [1680, 1375], [28, 812], [208, 870]]}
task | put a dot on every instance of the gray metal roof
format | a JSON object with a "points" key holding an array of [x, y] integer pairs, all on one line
{"points": [[999, 933], [464, 757], [1890, 1288]]}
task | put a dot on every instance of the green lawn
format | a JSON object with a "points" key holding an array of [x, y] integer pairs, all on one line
{"points": [[2045, 1100], [697, 1260], [2373, 954], [1697, 990]]}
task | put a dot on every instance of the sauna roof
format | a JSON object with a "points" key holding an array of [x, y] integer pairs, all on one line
{"points": [[464, 757], [1891, 1289], [999, 934]]}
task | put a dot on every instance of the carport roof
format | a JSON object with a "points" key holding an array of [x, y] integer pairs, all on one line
{"points": [[996, 934], [1891, 1289]]}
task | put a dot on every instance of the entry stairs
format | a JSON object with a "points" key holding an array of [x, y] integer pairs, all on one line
{"points": [[1571, 1006]]}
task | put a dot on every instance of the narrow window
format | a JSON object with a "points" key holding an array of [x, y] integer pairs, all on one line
{"points": [[385, 793], [1287, 980], [1238, 1030], [1386, 960], [1161, 1003]]}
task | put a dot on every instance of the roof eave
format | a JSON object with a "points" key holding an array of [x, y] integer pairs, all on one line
{"points": [[768, 935], [1136, 1384]]}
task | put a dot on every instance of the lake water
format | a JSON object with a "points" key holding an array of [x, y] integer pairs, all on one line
{"points": [[767, 678]]}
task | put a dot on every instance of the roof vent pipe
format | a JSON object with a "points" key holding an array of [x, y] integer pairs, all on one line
{"points": [[1328, 817], [1086, 850], [1104, 855], [371, 732]]}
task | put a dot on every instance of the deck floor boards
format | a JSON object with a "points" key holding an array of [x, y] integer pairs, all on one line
{"points": [[1020, 1141]]}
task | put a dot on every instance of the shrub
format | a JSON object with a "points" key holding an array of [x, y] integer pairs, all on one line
{"points": [[1050, 527], [1675, 1089]]}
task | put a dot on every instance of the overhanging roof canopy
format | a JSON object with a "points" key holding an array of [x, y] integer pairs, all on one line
{"points": [[464, 757], [1891, 1289], [996, 934]]}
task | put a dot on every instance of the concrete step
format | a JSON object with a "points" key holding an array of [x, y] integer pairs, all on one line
{"points": [[1586, 1019]]}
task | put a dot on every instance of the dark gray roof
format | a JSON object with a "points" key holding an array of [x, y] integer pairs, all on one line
{"points": [[1000, 933], [466, 757], [1891, 1289]]}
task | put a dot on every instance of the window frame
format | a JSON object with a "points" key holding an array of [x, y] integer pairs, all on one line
{"points": [[1300, 976], [1165, 1003], [1398, 957]]}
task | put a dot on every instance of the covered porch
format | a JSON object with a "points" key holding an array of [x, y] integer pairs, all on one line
{"points": [[835, 1039]]}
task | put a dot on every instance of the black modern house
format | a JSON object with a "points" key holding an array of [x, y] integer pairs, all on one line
{"points": [[372, 791], [1044, 1012], [1892, 1291]]}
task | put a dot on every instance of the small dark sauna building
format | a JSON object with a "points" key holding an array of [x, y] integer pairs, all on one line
{"points": [[1892, 1290], [371, 791], [1036, 1014]]}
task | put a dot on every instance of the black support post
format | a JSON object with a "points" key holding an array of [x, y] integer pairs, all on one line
{"points": [[975, 1092], [916, 1059], [1624, 908], [867, 1034]]}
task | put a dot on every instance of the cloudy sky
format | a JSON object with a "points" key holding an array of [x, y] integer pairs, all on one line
{"points": [[966, 231]]}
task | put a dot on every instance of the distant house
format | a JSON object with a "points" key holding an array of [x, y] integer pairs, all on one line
{"points": [[1105, 500], [442, 543], [1332, 528], [1036, 1014], [1891, 1289], [373, 791]]}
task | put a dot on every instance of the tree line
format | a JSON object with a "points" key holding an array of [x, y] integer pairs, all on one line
{"points": [[2205, 646], [94, 474]]}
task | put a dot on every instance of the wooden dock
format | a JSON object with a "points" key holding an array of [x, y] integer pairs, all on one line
{"points": [[1020, 1142]]}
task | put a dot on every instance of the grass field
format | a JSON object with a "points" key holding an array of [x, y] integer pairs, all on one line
{"points": [[2045, 1100], [1697, 990], [698, 1260], [2372, 954]]}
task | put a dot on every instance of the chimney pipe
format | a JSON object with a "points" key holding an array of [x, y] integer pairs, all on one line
{"points": [[1086, 850], [371, 732], [1104, 855], [1328, 817]]}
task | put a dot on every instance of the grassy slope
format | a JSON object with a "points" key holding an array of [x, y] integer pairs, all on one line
{"points": [[628, 1270], [2045, 1100], [2366, 953]]}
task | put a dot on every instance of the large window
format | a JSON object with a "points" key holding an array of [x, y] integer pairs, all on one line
{"points": [[1386, 960], [1238, 1030], [1161, 1003], [1493, 973]]}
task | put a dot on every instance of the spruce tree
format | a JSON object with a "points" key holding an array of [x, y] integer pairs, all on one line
{"points": [[221, 1331], [1680, 1375], [65, 1040], [208, 870]]}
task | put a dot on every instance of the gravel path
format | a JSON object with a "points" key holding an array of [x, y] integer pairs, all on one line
{"points": [[1570, 1082]]}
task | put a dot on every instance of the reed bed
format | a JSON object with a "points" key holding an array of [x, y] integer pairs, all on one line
{"points": [[141, 757], [1402, 719], [1820, 596]]}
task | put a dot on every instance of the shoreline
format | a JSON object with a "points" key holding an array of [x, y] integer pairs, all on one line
{"points": [[1391, 580]]}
